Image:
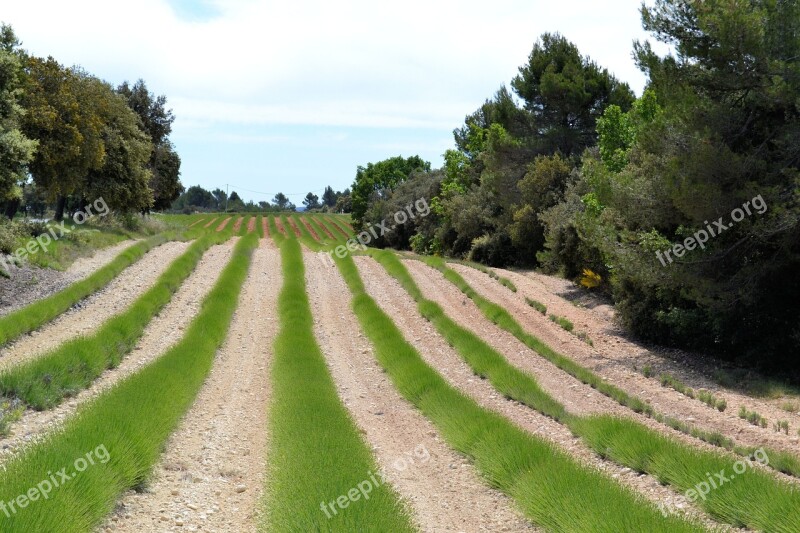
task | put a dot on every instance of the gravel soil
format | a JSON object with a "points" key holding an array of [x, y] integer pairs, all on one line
{"points": [[162, 333], [90, 313], [614, 357], [210, 477], [31, 283], [442, 489]]}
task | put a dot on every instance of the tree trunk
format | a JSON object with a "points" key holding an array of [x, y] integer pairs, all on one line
{"points": [[11, 208], [61, 202]]}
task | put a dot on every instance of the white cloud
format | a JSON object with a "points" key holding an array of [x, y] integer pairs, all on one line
{"points": [[358, 63]]}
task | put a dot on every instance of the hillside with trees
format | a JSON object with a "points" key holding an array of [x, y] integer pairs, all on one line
{"points": [[567, 171]]}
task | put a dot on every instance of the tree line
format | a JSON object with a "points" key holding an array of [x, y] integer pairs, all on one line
{"points": [[67, 137], [196, 198], [566, 170]]}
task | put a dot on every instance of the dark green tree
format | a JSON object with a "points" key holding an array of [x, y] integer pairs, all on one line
{"points": [[311, 201], [282, 202], [69, 132], [156, 120], [329, 197], [197, 196], [16, 150], [566, 93], [378, 179]]}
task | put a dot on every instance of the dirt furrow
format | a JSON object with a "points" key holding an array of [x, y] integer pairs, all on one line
{"points": [[211, 475], [395, 301], [613, 360], [89, 314], [32, 283], [443, 490], [163, 332]]}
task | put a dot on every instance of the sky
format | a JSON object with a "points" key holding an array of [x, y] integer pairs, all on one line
{"points": [[292, 96]]}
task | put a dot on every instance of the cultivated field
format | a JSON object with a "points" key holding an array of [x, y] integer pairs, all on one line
{"points": [[270, 374]]}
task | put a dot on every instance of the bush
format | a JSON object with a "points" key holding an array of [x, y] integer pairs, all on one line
{"points": [[494, 250], [35, 229], [10, 233]]}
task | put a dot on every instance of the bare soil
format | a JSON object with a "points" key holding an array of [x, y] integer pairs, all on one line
{"points": [[444, 491], [211, 476], [164, 331], [90, 313], [31, 282], [613, 357]]}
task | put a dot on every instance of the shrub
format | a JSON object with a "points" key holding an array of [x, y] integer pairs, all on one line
{"points": [[537, 305], [563, 322]]}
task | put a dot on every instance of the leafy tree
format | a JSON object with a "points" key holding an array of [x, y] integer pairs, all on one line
{"points": [[344, 203], [220, 198], [566, 93], [235, 197], [541, 188], [311, 201], [124, 177], [69, 132], [156, 120], [329, 197], [282, 202], [376, 179], [165, 164], [16, 150], [199, 197]]}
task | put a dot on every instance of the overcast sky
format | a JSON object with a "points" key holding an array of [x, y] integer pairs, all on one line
{"points": [[292, 96]]}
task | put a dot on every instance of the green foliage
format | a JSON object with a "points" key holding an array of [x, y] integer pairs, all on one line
{"points": [[156, 122], [752, 417], [16, 149], [563, 322], [566, 94], [537, 305], [376, 180]]}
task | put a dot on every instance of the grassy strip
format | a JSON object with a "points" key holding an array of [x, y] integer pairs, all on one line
{"points": [[132, 421], [70, 368], [781, 461], [747, 502], [322, 229], [502, 318], [317, 454], [335, 225], [339, 235], [549, 486], [33, 316]]}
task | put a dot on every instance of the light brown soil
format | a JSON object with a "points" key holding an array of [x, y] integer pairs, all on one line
{"points": [[89, 314], [396, 302], [444, 492], [613, 358], [279, 225], [310, 229], [294, 227], [238, 225], [211, 475], [224, 224], [31, 283], [164, 331]]}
